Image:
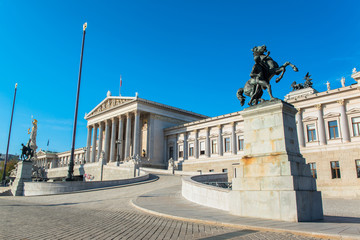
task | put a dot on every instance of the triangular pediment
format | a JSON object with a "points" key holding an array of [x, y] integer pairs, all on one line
{"points": [[109, 103], [308, 119], [331, 115], [353, 111], [226, 133], [40, 153], [239, 131]]}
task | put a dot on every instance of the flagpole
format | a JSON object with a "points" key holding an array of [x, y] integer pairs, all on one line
{"points": [[8, 143], [70, 176], [120, 86]]}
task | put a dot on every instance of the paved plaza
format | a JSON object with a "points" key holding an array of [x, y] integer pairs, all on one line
{"points": [[114, 214]]}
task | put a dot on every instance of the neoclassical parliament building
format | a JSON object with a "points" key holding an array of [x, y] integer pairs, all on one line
{"points": [[123, 128]]}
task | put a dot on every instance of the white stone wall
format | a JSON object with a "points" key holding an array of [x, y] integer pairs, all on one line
{"points": [[206, 195]]}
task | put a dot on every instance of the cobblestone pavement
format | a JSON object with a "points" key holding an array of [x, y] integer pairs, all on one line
{"points": [[107, 214]]}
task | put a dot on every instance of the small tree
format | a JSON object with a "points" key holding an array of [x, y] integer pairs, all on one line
{"points": [[10, 165]]}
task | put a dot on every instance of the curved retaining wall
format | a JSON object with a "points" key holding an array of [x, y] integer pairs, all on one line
{"points": [[203, 194], [97, 173], [48, 188]]}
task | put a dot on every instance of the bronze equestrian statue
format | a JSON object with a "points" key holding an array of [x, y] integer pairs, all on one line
{"points": [[262, 72], [26, 152]]}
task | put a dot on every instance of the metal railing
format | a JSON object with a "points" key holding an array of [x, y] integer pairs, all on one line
{"points": [[227, 185]]}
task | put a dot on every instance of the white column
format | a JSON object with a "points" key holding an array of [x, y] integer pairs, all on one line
{"points": [[185, 146], [93, 148], [300, 128], [344, 122], [233, 138], [220, 142], [136, 133], [196, 144], [120, 138], [113, 139], [321, 125], [100, 145], [166, 150], [127, 136], [207, 142], [88, 144], [107, 140], [176, 148], [150, 140]]}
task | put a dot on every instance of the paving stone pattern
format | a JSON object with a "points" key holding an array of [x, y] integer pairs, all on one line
{"points": [[106, 214]]}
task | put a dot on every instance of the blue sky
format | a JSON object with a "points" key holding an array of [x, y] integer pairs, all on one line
{"points": [[188, 54]]}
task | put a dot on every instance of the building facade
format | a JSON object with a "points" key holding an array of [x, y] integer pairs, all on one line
{"points": [[121, 128]]}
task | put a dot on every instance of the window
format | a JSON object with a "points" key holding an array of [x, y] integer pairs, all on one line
{"points": [[240, 144], [181, 151], [311, 132], [191, 149], [199, 171], [224, 170], [357, 163], [333, 129], [227, 144], [356, 126], [213, 146], [211, 170], [313, 169], [202, 148], [335, 169]]}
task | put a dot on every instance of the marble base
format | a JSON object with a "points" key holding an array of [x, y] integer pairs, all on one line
{"points": [[272, 179], [23, 174]]}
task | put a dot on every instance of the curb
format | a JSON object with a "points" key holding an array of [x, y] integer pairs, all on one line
{"points": [[93, 189], [239, 226]]}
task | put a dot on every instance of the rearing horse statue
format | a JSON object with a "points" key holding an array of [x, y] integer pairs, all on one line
{"points": [[262, 72]]}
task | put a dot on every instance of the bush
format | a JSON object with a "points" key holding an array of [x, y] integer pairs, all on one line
{"points": [[10, 165]]}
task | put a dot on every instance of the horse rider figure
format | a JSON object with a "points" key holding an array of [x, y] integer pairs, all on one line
{"points": [[26, 152], [262, 72]]}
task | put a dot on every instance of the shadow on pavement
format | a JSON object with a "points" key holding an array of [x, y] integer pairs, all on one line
{"points": [[230, 235], [337, 219]]}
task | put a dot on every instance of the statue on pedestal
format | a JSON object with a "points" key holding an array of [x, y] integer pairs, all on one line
{"points": [[28, 150], [307, 84], [262, 72]]}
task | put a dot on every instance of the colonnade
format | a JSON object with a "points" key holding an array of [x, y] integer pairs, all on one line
{"points": [[207, 140], [113, 143], [344, 125]]}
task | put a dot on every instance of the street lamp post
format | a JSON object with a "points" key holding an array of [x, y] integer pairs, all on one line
{"points": [[8, 143], [70, 175]]}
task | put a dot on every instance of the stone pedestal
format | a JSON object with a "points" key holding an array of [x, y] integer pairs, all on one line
{"points": [[300, 93], [23, 174], [272, 180]]}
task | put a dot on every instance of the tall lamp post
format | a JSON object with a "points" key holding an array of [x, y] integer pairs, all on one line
{"points": [[70, 175], [7, 148]]}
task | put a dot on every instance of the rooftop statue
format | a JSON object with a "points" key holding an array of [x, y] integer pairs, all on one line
{"points": [[307, 84], [296, 86], [262, 72]]}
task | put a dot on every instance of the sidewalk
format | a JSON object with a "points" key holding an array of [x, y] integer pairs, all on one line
{"points": [[168, 202]]}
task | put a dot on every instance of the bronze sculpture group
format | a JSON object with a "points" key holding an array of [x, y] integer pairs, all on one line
{"points": [[262, 72], [308, 83], [28, 150]]}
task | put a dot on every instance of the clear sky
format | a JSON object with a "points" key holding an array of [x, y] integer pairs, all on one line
{"points": [[189, 54]]}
